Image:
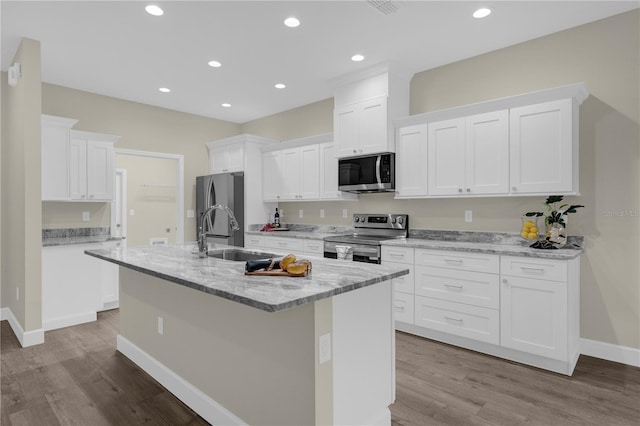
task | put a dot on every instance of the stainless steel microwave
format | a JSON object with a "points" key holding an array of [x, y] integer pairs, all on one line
{"points": [[371, 173]]}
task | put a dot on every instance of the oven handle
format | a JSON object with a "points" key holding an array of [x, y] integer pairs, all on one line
{"points": [[378, 161]]}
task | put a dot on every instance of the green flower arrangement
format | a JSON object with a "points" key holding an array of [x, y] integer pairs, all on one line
{"points": [[556, 213]]}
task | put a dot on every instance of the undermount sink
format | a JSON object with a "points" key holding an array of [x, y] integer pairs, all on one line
{"points": [[239, 255]]}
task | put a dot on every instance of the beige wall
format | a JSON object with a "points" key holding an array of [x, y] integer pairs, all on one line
{"points": [[21, 187], [141, 127], [151, 194], [604, 55]]}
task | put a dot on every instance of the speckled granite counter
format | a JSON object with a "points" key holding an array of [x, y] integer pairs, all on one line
{"points": [[485, 242], [69, 236], [308, 232], [226, 279]]}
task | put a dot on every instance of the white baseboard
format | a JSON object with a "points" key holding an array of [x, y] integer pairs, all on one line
{"points": [[615, 353], [109, 305], [69, 320], [26, 338], [198, 401]]}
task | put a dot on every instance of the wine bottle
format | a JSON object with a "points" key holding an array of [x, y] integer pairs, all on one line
{"points": [[276, 219]]}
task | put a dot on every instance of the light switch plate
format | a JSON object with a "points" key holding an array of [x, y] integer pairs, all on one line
{"points": [[190, 213], [345, 213], [86, 216], [321, 213], [300, 213], [468, 216]]}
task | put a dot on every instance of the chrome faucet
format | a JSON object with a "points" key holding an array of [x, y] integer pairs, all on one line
{"points": [[203, 247]]}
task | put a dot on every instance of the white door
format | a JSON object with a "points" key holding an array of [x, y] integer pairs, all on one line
{"points": [[373, 126], [119, 205], [310, 172], [541, 147], [411, 161], [446, 157], [346, 130], [271, 176], [291, 174], [487, 153]]}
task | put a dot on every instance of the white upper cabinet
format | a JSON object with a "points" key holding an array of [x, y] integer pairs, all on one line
{"points": [[92, 169], [300, 173], [272, 178], [227, 157], [55, 157], [543, 141], [366, 103], [411, 161], [520, 145], [329, 174], [469, 155]]}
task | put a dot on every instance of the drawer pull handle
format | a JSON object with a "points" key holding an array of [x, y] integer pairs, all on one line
{"points": [[458, 261], [396, 254], [282, 244], [456, 286], [527, 268], [399, 308], [453, 319]]}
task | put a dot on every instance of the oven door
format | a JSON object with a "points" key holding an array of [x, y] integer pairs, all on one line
{"points": [[355, 252]]}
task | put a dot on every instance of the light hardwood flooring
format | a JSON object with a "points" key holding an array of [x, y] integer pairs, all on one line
{"points": [[78, 378]]}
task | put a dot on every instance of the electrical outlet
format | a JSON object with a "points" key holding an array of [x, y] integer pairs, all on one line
{"points": [[86, 216], [321, 213], [132, 212], [468, 216], [190, 214], [324, 348], [300, 213], [345, 213], [160, 325]]}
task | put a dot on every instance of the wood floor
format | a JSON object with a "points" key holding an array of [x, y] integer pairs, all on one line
{"points": [[77, 378]]}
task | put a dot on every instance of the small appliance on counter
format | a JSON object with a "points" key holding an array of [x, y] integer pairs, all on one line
{"points": [[226, 189], [364, 245]]}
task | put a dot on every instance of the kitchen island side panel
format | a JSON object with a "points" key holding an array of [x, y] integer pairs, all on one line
{"points": [[258, 365]]}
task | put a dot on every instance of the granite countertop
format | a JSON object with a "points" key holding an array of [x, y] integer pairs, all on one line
{"points": [[485, 242], [72, 236], [308, 232], [178, 264], [308, 235]]}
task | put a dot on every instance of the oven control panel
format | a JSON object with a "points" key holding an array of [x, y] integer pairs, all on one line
{"points": [[381, 221]]}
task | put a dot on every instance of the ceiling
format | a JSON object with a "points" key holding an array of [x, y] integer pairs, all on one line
{"points": [[115, 48]]}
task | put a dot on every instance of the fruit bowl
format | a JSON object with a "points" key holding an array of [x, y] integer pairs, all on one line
{"points": [[529, 230]]}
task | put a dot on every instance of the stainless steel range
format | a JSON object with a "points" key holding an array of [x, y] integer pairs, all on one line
{"points": [[364, 244]]}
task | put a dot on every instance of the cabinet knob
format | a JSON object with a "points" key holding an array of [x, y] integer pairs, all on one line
{"points": [[91, 196], [277, 196], [459, 189], [505, 281], [82, 196], [513, 188], [468, 189], [355, 151]]}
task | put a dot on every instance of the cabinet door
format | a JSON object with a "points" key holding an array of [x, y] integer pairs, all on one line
{"points": [[78, 169], [541, 148], [411, 161], [55, 162], [100, 170], [345, 121], [446, 157], [271, 175], [291, 174], [487, 153], [373, 127], [227, 158], [310, 172], [534, 316]]}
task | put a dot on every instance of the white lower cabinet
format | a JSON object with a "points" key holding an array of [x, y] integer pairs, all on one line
{"points": [[75, 285], [521, 308]]}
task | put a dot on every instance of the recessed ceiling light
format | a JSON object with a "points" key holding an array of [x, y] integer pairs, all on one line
{"points": [[482, 12], [154, 10], [357, 58], [226, 105], [164, 89], [292, 22], [215, 64], [280, 86]]}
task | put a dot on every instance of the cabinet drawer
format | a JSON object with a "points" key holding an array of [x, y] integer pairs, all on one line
{"points": [[284, 244], [529, 267], [405, 283], [253, 241], [472, 288], [403, 307], [397, 254], [315, 247], [456, 318], [476, 262]]}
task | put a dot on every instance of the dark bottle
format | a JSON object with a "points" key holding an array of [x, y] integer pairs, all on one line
{"points": [[276, 219]]}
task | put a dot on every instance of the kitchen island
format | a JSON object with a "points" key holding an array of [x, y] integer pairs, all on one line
{"points": [[260, 350]]}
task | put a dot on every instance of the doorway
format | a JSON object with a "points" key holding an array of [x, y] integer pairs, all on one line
{"points": [[151, 198]]}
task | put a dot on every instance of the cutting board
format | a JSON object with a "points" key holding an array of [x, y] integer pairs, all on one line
{"points": [[277, 273]]}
